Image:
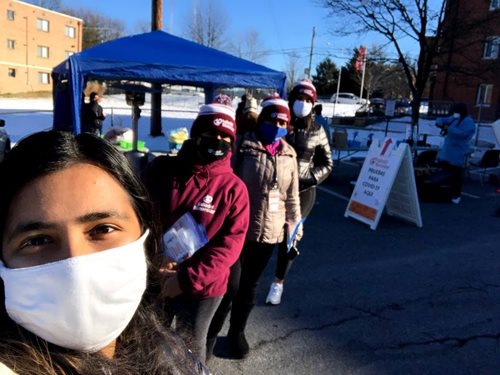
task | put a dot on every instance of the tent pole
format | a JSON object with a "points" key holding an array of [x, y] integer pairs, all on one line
{"points": [[156, 24]]}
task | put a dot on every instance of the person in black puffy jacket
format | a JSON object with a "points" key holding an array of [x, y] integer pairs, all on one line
{"points": [[315, 163]]}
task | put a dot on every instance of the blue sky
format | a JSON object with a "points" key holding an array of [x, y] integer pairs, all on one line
{"points": [[283, 26]]}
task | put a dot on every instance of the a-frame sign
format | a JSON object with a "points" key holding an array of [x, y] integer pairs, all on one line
{"points": [[386, 180]]}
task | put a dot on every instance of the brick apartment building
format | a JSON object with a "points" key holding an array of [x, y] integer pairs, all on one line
{"points": [[468, 66], [32, 41]]}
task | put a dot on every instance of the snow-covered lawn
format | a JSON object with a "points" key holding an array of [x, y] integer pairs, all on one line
{"points": [[26, 116]]}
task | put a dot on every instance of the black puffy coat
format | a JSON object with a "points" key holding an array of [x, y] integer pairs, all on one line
{"points": [[314, 156]]}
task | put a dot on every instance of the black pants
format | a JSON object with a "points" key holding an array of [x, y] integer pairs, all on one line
{"points": [[284, 263], [254, 259], [456, 177], [225, 305], [192, 319]]}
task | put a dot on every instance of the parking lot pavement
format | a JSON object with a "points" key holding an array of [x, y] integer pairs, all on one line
{"points": [[395, 300]]}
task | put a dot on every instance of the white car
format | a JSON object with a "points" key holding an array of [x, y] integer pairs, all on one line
{"points": [[348, 98]]}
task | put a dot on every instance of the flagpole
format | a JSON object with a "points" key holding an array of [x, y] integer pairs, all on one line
{"points": [[338, 89], [363, 75]]}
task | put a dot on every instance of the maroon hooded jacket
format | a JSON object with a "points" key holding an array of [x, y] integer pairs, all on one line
{"points": [[216, 198]]}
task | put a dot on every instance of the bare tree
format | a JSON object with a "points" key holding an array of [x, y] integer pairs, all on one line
{"points": [[249, 47], [397, 21], [292, 73], [382, 74], [142, 26], [97, 28], [208, 25], [48, 4]]}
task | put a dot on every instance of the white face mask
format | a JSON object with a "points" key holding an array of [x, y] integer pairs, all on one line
{"points": [[81, 303], [302, 109], [456, 115]]}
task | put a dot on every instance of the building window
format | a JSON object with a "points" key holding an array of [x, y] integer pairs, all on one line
{"points": [[12, 72], [44, 78], [495, 4], [491, 47], [42, 51], [483, 96], [11, 44], [42, 24], [68, 54], [69, 31], [11, 15]]}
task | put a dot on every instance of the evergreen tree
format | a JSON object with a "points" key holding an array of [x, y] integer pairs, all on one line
{"points": [[326, 77]]}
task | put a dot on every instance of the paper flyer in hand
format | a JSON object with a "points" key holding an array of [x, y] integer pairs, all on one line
{"points": [[292, 233], [184, 238]]}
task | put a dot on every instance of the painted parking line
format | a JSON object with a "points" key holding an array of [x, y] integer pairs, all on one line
{"points": [[331, 192], [470, 195]]}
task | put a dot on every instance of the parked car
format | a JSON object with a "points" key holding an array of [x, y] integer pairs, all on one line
{"points": [[348, 98], [377, 106], [403, 107]]}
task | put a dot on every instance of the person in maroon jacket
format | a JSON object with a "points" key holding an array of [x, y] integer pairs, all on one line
{"points": [[200, 180]]}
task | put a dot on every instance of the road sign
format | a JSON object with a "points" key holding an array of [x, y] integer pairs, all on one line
{"points": [[386, 180]]}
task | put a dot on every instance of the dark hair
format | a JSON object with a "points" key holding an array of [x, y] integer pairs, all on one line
{"points": [[318, 108], [43, 153], [461, 108], [92, 96], [145, 346]]}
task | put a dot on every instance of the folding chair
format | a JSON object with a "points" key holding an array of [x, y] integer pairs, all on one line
{"points": [[490, 162], [426, 158]]}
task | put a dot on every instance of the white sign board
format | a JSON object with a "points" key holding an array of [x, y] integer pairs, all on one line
{"points": [[390, 107], [386, 180], [496, 130]]}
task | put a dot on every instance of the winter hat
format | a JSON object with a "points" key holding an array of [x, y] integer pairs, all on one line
{"points": [[214, 116], [223, 99], [304, 87], [274, 107]]}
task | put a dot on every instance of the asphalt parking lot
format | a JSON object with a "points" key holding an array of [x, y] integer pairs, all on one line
{"points": [[395, 300]]}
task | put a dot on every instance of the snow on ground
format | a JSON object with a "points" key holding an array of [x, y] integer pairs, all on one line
{"points": [[26, 116]]}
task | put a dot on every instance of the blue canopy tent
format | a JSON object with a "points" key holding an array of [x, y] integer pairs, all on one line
{"points": [[155, 57]]}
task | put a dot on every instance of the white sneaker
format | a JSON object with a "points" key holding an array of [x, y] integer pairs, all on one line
{"points": [[456, 200], [275, 292]]}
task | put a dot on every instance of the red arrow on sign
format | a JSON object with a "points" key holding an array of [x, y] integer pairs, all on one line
{"points": [[386, 146]]}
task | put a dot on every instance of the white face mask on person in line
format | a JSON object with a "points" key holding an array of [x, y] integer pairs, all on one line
{"points": [[456, 115], [301, 108], [81, 303]]}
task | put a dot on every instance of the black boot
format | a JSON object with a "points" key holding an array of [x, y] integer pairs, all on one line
{"points": [[238, 345]]}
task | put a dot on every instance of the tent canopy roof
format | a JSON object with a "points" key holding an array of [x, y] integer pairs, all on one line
{"points": [[156, 57]]}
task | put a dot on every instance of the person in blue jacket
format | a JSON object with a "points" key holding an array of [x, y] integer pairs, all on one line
{"points": [[458, 131]]}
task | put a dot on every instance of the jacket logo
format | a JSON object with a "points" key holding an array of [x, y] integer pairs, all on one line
{"points": [[205, 205]]}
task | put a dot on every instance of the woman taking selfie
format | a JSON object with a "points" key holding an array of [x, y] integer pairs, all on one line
{"points": [[77, 241]]}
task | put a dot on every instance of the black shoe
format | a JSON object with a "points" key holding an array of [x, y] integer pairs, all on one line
{"points": [[238, 345], [210, 346]]}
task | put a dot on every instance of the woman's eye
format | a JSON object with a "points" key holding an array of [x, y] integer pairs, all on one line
{"points": [[35, 242], [102, 229]]}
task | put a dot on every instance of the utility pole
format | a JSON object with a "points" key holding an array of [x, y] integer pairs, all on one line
{"points": [[156, 24], [311, 53]]}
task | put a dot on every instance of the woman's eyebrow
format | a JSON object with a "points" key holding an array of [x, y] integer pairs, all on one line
{"points": [[93, 216], [28, 227]]}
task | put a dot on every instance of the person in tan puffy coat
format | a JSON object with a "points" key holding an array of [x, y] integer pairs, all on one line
{"points": [[268, 167]]}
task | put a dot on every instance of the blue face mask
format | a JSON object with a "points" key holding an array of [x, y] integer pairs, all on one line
{"points": [[271, 133]]}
